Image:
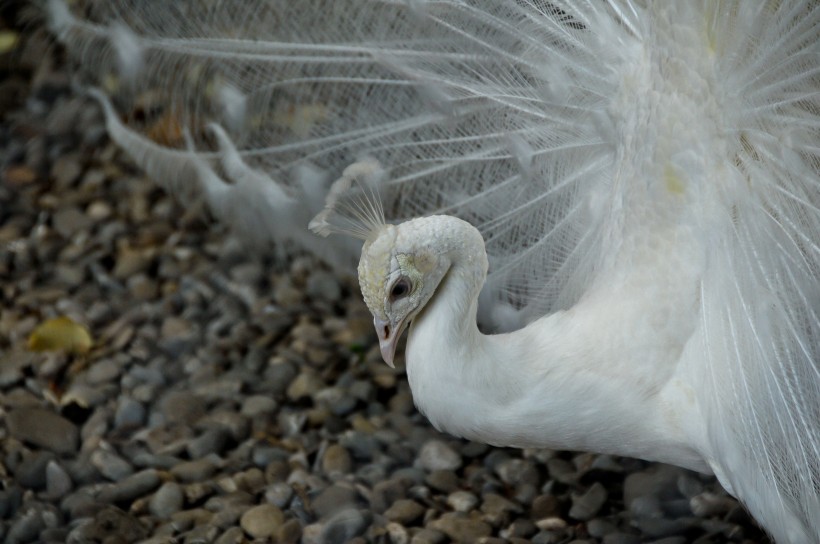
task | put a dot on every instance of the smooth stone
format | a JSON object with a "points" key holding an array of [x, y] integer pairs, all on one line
{"points": [[182, 407], [211, 441], [31, 472], [130, 488], [194, 471], [279, 494], [345, 525], [428, 536], [336, 459], [461, 529], [129, 413], [111, 465], [258, 405], [445, 481], [232, 535], [334, 498], [386, 492], [58, 482], [586, 506], [167, 500], [262, 521], [462, 501], [110, 524], [405, 511], [436, 455], [43, 428]]}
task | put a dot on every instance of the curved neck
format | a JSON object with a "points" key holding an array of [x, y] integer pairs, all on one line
{"points": [[546, 385]]}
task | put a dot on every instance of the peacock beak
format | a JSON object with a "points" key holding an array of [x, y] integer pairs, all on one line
{"points": [[389, 334]]}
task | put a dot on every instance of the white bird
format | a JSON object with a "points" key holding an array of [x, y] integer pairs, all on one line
{"points": [[632, 185]]}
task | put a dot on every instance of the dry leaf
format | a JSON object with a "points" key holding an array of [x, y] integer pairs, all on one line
{"points": [[8, 40], [60, 334]]}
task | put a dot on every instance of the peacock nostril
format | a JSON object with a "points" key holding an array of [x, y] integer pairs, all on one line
{"points": [[386, 331]]}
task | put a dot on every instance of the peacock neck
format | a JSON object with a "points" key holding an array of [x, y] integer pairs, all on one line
{"points": [[546, 385]]}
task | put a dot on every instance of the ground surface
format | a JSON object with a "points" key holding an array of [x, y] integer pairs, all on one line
{"points": [[228, 398]]}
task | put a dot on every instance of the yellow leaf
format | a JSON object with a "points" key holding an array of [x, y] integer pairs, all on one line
{"points": [[8, 40], [60, 334]]}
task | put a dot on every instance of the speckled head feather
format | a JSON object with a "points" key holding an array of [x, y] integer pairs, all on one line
{"points": [[353, 205]]}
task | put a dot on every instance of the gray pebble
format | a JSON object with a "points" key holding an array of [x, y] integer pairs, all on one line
{"points": [[111, 465], [31, 472], [130, 413], [167, 500], [233, 535], [279, 494], [436, 455], [258, 405], [462, 501], [345, 525], [405, 511], [460, 528], [334, 498], [182, 407], [130, 488], [43, 428], [585, 506], [58, 482], [194, 471], [211, 441], [262, 521], [336, 459]]}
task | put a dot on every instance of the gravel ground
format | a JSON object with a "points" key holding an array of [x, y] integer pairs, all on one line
{"points": [[228, 398]]}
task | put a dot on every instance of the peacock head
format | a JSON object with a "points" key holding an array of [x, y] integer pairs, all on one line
{"points": [[398, 274], [399, 269]]}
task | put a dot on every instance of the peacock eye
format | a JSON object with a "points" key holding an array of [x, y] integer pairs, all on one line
{"points": [[400, 289]]}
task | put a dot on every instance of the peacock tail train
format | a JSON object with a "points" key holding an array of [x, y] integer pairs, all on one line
{"points": [[542, 123]]}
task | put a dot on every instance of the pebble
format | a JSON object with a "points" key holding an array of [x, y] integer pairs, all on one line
{"points": [[111, 465], [194, 471], [460, 528], [130, 488], [262, 521], [405, 511], [167, 500], [585, 506], [336, 459], [129, 414], [436, 455], [462, 501], [44, 429], [58, 482]]}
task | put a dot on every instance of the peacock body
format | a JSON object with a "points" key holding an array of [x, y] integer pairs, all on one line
{"points": [[644, 178]]}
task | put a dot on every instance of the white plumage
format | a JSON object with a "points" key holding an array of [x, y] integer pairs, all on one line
{"points": [[644, 175]]}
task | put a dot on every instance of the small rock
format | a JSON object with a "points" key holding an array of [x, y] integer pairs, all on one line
{"points": [[194, 471], [462, 501], [167, 500], [305, 385], [428, 536], [334, 498], [233, 535], [111, 465], [344, 526], [130, 488], [130, 413], [279, 494], [58, 482], [405, 511], [211, 441], [258, 405], [44, 429], [262, 521], [182, 407], [460, 528], [586, 506], [336, 459], [436, 455]]}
